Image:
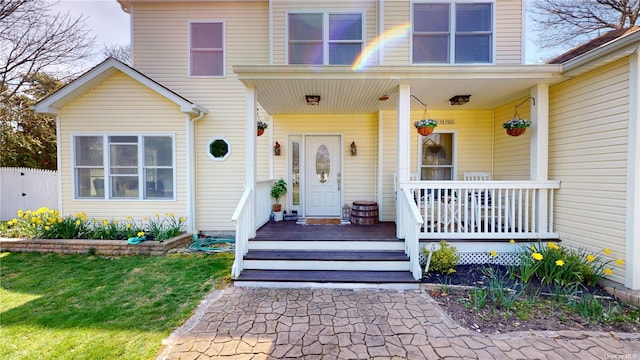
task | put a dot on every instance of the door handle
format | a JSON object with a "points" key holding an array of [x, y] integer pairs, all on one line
{"points": [[339, 179]]}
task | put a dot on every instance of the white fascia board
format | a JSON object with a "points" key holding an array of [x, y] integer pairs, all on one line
{"points": [[91, 78], [605, 54], [250, 72]]}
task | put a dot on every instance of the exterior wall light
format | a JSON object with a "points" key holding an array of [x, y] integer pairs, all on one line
{"points": [[459, 99], [313, 99]]}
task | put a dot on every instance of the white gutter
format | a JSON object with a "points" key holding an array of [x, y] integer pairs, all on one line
{"points": [[624, 46], [191, 175]]}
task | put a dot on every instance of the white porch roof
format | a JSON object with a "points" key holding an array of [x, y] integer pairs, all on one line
{"points": [[282, 88]]}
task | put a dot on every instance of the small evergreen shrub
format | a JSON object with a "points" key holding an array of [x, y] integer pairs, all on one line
{"points": [[443, 260]]}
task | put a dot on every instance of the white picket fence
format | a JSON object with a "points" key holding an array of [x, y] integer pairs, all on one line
{"points": [[24, 188]]}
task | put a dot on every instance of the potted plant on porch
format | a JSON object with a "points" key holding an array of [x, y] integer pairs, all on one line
{"points": [[278, 189], [425, 126], [516, 126]]}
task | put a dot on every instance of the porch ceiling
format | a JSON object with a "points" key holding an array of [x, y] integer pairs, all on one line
{"points": [[281, 89]]}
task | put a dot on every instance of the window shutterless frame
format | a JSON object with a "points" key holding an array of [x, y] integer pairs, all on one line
{"points": [[155, 176], [459, 37], [329, 44], [210, 48]]}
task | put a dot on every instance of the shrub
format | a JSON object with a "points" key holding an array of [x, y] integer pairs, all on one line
{"points": [[443, 260]]}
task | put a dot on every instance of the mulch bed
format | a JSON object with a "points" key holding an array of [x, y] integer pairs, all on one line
{"points": [[539, 307]]}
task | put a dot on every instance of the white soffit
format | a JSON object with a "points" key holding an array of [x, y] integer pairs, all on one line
{"points": [[282, 89]]}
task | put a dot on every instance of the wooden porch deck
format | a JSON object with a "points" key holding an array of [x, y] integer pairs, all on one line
{"points": [[290, 230]]}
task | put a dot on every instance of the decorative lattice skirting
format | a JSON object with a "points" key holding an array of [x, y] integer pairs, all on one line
{"points": [[482, 258]]}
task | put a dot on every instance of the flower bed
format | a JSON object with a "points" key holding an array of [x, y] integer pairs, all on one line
{"points": [[102, 247], [45, 230]]}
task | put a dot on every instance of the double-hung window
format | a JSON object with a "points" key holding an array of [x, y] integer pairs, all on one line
{"points": [[124, 167], [453, 33], [206, 49], [325, 38]]}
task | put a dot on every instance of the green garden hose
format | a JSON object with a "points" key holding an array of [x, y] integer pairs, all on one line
{"points": [[213, 245]]}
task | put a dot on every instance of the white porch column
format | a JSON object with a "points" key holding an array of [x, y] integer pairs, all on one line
{"points": [[539, 169], [404, 142], [250, 155], [632, 265], [540, 133]]}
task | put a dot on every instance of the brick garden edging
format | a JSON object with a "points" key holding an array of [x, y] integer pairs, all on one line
{"points": [[102, 247]]}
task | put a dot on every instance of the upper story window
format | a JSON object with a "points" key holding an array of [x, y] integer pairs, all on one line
{"points": [[129, 167], [452, 33], [325, 38], [206, 49]]}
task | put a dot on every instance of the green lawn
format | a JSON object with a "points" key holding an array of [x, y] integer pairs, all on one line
{"points": [[89, 307]]}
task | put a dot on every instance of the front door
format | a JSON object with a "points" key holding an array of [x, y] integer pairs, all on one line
{"points": [[323, 175]]}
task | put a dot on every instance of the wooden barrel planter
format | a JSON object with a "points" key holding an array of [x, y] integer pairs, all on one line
{"points": [[364, 213]]}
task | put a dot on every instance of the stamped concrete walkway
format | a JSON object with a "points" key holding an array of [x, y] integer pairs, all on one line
{"points": [[250, 323]]}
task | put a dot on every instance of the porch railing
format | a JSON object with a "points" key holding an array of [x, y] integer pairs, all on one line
{"points": [[263, 201], [484, 209], [250, 214], [411, 223], [243, 219]]}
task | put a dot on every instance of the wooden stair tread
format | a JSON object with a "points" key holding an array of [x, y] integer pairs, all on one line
{"points": [[333, 255], [324, 276]]}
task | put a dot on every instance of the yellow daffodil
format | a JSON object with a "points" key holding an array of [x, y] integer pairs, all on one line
{"points": [[105, 222], [171, 215], [128, 226], [559, 262], [552, 246], [494, 253], [116, 221], [607, 251], [157, 215], [532, 248], [128, 217], [145, 218], [78, 222], [537, 256], [619, 261], [608, 271], [60, 220], [47, 227], [512, 242], [590, 258], [182, 219], [140, 233]]}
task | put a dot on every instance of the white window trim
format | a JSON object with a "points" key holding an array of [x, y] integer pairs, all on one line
{"points": [[224, 49], [325, 32], [106, 167], [452, 32], [209, 148], [454, 160]]}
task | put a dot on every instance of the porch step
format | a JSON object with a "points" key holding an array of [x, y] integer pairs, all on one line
{"points": [[327, 245], [326, 255], [327, 278], [326, 260]]}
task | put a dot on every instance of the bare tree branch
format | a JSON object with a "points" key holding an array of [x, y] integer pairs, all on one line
{"points": [[34, 39], [567, 23], [120, 52]]}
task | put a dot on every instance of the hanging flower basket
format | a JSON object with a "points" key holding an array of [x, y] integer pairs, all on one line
{"points": [[261, 127], [516, 131], [425, 126], [425, 130], [516, 126]]}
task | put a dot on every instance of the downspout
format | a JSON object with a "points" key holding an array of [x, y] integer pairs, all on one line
{"points": [[59, 162], [191, 174]]}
